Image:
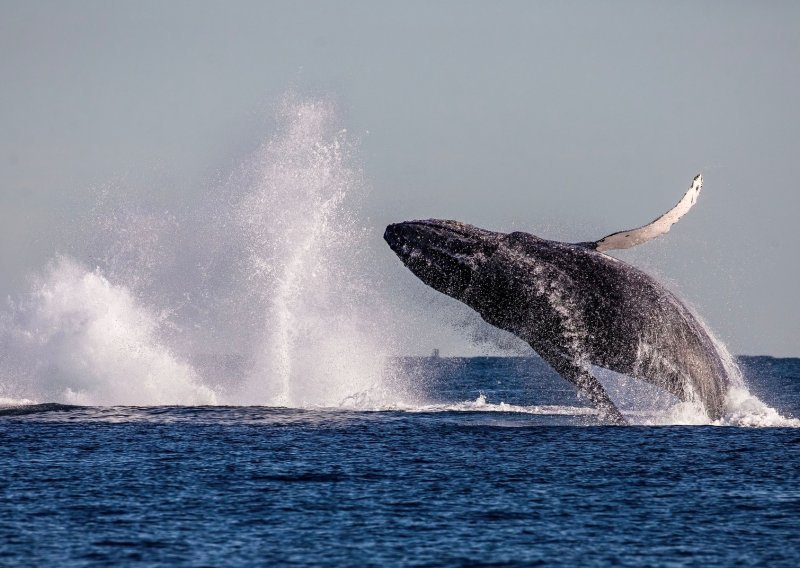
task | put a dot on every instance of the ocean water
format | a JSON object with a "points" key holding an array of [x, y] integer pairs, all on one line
{"points": [[461, 480], [218, 386]]}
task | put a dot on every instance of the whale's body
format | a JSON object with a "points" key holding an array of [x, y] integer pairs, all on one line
{"points": [[573, 304]]}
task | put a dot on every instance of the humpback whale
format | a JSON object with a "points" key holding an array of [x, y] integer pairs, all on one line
{"points": [[576, 306]]}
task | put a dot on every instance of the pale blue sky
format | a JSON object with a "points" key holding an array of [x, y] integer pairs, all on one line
{"points": [[566, 119]]}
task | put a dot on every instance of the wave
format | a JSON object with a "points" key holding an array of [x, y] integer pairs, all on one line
{"points": [[747, 413]]}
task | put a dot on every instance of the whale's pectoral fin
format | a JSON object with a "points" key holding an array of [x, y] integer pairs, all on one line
{"points": [[587, 384], [633, 237]]}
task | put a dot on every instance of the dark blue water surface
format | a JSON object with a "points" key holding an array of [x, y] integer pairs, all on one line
{"points": [[262, 486]]}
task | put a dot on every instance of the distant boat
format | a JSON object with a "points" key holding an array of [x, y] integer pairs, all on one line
{"points": [[435, 353]]}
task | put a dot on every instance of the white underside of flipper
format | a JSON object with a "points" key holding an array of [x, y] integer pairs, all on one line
{"points": [[633, 237]]}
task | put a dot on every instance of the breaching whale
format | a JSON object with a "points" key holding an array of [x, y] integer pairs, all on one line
{"points": [[573, 304]]}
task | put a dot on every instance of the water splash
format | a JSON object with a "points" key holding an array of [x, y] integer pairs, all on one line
{"points": [[79, 339], [305, 247], [645, 404], [745, 409], [258, 295], [742, 408]]}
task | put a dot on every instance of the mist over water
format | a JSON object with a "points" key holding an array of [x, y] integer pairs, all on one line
{"points": [[259, 293]]}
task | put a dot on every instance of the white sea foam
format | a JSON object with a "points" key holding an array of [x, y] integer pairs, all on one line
{"points": [[481, 404], [745, 409], [6, 401], [742, 408]]}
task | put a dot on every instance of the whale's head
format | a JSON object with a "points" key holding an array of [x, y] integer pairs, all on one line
{"points": [[445, 255], [499, 275]]}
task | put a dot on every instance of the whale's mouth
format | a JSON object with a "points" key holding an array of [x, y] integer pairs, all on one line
{"points": [[443, 254]]}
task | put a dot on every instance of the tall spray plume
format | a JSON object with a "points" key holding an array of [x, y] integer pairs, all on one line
{"points": [[260, 293]]}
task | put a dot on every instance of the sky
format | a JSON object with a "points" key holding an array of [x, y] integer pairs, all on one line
{"points": [[569, 120]]}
